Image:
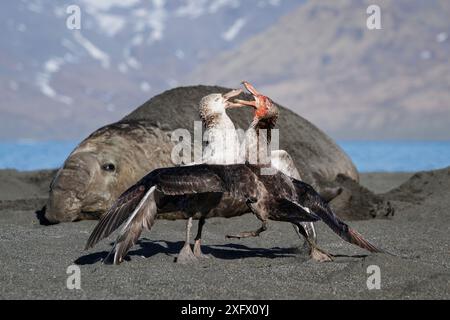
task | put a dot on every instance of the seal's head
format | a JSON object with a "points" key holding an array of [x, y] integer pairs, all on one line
{"points": [[101, 168], [83, 187], [266, 112]]}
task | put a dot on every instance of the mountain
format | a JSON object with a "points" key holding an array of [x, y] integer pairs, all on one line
{"points": [[323, 62], [58, 83], [316, 57]]}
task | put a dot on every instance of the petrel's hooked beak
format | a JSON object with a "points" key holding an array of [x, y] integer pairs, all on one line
{"points": [[242, 103], [250, 88], [233, 93], [253, 91], [262, 103]]}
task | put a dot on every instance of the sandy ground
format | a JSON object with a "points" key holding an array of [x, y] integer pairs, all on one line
{"points": [[35, 258]]}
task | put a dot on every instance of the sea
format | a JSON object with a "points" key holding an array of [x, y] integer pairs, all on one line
{"points": [[368, 156]]}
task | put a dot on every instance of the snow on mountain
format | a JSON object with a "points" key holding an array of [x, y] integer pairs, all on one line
{"points": [[323, 62], [125, 52], [310, 55]]}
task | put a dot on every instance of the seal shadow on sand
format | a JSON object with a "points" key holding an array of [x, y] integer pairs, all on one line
{"points": [[229, 251], [40, 216]]}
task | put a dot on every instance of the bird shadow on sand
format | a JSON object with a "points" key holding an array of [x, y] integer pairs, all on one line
{"points": [[91, 258], [346, 258], [361, 256], [147, 249]]}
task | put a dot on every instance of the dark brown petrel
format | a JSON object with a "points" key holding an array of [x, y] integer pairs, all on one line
{"points": [[199, 189], [264, 120]]}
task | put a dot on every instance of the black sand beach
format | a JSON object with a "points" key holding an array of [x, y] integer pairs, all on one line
{"points": [[35, 258]]}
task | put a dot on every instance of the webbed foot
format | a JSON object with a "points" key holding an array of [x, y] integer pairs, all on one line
{"points": [[320, 255], [186, 255], [198, 251]]}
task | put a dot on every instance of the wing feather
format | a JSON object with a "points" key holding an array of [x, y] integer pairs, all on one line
{"points": [[142, 218], [310, 199], [118, 213], [168, 181], [189, 179], [289, 210]]}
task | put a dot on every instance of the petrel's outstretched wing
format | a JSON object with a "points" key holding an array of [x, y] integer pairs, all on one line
{"points": [[137, 205], [188, 180], [310, 199], [143, 217], [121, 210]]}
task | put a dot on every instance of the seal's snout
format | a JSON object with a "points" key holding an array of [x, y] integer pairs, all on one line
{"points": [[62, 207], [69, 189]]}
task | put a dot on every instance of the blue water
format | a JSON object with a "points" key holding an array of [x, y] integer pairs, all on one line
{"points": [[367, 155], [389, 156], [34, 155]]}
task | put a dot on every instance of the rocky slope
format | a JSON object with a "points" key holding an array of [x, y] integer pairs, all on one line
{"points": [[324, 63]]}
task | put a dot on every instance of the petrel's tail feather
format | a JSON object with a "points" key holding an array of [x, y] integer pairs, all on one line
{"points": [[314, 202], [343, 230], [356, 238]]}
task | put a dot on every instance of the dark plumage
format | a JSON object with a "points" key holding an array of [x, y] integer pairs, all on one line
{"points": [[200, 188]]}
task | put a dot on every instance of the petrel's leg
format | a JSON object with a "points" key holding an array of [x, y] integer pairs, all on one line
{"points": [[261, 214], [186, 255], [198, 238], [315, 252], [308, 232], [249, 234]]}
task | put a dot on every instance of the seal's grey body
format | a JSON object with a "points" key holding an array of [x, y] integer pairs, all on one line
{"points": [[86, 186]]}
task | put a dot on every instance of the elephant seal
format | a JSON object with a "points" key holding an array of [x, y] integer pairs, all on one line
{"points": [[116, 156], [104, 165]]}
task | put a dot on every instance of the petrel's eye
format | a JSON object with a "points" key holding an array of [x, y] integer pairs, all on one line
{"points": [[109, 167]]}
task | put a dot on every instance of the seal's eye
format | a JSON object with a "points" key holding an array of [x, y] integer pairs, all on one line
{"points": [[109, 167]]}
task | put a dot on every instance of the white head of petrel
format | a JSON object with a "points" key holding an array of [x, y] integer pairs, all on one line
{"points": [[212, 109], [221, 141]]}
